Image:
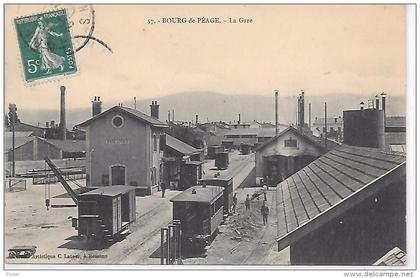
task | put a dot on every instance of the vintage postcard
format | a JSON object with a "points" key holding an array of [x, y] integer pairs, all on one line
{"points": [[209, 136]]}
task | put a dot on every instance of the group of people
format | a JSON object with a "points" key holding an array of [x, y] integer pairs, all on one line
{"points": [[265, 211]]}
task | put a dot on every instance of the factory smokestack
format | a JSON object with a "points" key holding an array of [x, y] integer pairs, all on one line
{"points": [[154, 110], [196, 119], [383, 95], [310, 117], [377, 102], [302, 111], [276, 96], [96, 106], [239, 118], [63, 113]]}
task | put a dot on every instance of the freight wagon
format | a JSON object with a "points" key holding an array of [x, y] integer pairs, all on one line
{"points": [[105, 213]]}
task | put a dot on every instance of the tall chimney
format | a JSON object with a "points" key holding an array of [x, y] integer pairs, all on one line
{"points": [[377, 102], [63, 113], [196, 119], [96, 106], [276, 112], [239, 118], [310, 120], [173, 115], [302, 111], [154, 110], [383, 95], [325, 124]]}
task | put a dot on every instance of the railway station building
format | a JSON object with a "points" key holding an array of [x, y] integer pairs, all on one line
{"points": [[123, 148]]}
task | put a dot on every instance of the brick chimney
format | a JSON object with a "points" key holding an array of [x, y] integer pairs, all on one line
{"points": [[154, 110], [96, 106]]}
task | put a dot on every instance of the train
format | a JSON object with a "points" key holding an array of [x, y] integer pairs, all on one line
{"points": [[200, 211]]}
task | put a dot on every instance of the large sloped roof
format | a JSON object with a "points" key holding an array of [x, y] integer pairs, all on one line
{"points": [[70, 146], [330, 185], [131, 112], [19, 141], [179, 146]]}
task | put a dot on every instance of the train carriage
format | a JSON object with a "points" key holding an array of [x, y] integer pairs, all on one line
{"points": [[227, 184], [200, 210]]}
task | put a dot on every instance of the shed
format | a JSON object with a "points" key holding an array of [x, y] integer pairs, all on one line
{"points": [[284, 154], [345, 208]]}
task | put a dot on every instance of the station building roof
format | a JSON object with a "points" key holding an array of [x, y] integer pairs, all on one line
{"points": [[180, 146], [330, 185], [129, 111]]}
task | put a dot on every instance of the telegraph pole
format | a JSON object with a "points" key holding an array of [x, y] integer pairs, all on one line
{"points": [[276, 96], [325, 123], [12, 110]]}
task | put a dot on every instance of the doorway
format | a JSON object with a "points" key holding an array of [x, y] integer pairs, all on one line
{"points": [[118, 175]]}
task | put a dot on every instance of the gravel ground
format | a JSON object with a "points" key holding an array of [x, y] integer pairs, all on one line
{"points": [[28, 222]]}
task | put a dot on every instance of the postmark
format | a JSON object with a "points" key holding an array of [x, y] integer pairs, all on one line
{"points": [[45, 45]]}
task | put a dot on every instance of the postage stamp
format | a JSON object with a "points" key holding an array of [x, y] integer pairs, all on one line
{"points": [[45, 44]]}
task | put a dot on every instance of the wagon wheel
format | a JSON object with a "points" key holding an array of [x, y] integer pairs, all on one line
{"points": [[12, 254]]}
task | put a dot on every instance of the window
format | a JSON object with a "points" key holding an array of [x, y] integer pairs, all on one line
{"points": [[154, 142], [290, 143], [117, 121]]}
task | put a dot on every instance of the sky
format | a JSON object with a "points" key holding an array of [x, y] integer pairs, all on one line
{"points": [[323, 49]]}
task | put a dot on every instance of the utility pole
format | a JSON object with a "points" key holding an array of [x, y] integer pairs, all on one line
{"points": [[325, 123], [12, 111], [310, 123], [276, 96], [135, 103]]}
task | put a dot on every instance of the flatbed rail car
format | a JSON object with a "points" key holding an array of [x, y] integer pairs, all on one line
{"points": [[105, 213], [22, 251], [227, 184], [200, 210]]}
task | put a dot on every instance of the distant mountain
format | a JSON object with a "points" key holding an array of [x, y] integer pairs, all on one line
{"points": [[216, 106]]}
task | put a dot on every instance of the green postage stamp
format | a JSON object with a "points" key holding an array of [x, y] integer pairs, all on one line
{"points": [[45, 45]]}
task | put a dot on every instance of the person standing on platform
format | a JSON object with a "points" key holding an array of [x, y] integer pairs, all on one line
{"points": [[163, 188], [247, 202], [235, 202], [265, 211]]}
